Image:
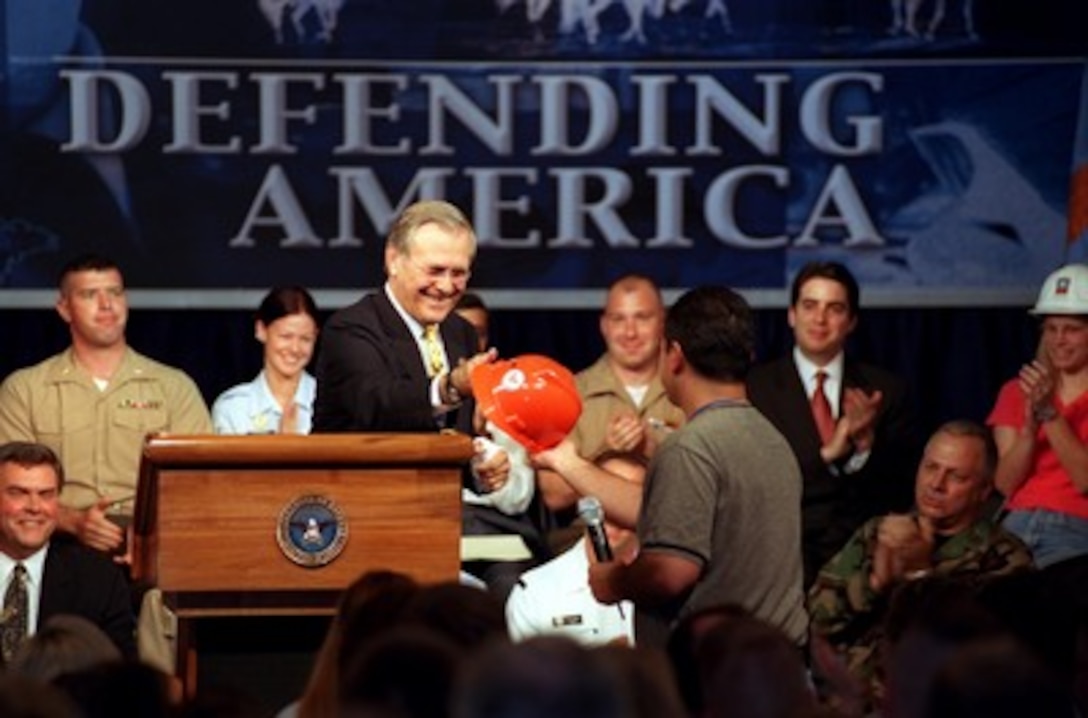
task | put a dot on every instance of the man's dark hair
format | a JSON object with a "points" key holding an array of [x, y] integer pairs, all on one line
{"points": [[28, 454], [833, 271], [85, 263], [470, 300], [713, 325]]}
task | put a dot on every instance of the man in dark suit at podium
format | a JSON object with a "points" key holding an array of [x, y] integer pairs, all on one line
{"points": [[42, 573], [400, 358], [850, 424]]}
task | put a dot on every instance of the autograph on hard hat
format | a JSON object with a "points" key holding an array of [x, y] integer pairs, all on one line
{"points": [[512, 380]]}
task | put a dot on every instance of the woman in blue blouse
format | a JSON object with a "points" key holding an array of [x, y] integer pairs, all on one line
{"points": [[281, 398]]}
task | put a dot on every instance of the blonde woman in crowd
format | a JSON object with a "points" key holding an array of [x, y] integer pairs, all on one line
{"points": [[1040, 424]]}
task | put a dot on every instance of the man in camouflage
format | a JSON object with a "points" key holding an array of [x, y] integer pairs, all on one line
{"points": [[948, 534]]}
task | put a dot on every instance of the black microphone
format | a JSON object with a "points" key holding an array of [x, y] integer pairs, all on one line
{"points": [[589, 508]]}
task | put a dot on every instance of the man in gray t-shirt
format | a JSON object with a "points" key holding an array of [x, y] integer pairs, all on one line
{"points": [[720, 518]]}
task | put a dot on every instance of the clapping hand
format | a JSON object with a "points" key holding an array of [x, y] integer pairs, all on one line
{"points": [[1037, 382], [96, 530], [904, 545], [289, 420], [860, 410], [626, 433]]}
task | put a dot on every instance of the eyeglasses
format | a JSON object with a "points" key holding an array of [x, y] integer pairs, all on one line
{"points": [[457, 275]]}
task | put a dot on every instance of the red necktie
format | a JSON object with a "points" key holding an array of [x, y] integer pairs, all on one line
{"points": [[821, 409]]}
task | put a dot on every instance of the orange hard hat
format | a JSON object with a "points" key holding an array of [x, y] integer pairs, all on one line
{"points": [[531, 397]]}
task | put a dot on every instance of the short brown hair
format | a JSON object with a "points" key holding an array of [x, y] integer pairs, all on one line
{"points": [[85, 263], [833, 271], [28, 454]]}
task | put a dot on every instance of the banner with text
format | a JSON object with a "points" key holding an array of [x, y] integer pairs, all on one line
{"points": [[203, 169]]}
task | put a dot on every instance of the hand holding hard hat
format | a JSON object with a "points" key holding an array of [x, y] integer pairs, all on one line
{"points": [[459, 380], [531, 397], [491, 464]]}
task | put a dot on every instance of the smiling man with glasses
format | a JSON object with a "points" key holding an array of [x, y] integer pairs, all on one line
{"points": [[400, 359]]}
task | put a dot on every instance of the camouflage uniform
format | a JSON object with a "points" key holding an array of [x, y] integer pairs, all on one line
{"points": [[849, 614]]}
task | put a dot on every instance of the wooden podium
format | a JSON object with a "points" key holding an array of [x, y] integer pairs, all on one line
{"points": [[246, 525]]}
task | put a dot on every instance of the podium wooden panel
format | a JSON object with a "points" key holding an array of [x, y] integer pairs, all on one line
{"points": [[208, 509]]}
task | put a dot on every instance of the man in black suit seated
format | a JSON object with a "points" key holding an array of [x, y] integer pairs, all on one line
{"points": [[43, 573], [856, 439], [400, 359]]}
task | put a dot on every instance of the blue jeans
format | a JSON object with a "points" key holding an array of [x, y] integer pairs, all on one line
{"points": [[1051, 536]]}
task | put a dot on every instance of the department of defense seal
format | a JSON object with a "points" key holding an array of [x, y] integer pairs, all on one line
{"points": [[312, 531]]}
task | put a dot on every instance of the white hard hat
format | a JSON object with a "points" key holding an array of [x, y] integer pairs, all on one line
{"points": [[1065, 291]]}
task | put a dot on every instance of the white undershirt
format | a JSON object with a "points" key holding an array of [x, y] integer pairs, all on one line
{"points": [[637, 393]]}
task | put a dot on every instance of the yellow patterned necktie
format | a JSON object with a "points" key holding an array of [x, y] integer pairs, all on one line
{"points": [[16, 606], [436, 358]]}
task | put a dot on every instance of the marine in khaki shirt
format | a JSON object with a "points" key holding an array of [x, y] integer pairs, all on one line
{"points": [[99, 433], [94, 403], [624, 406]]}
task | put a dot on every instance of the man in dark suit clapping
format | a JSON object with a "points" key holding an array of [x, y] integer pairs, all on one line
{"points": [[850, 424]]}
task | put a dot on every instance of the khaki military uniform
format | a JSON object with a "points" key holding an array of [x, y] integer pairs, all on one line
{"points": [[604, 397], [99, 435]]}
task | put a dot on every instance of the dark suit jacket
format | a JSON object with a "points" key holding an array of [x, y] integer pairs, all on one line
{"points": [[371, 377], [78, 580], [834, 503]]}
